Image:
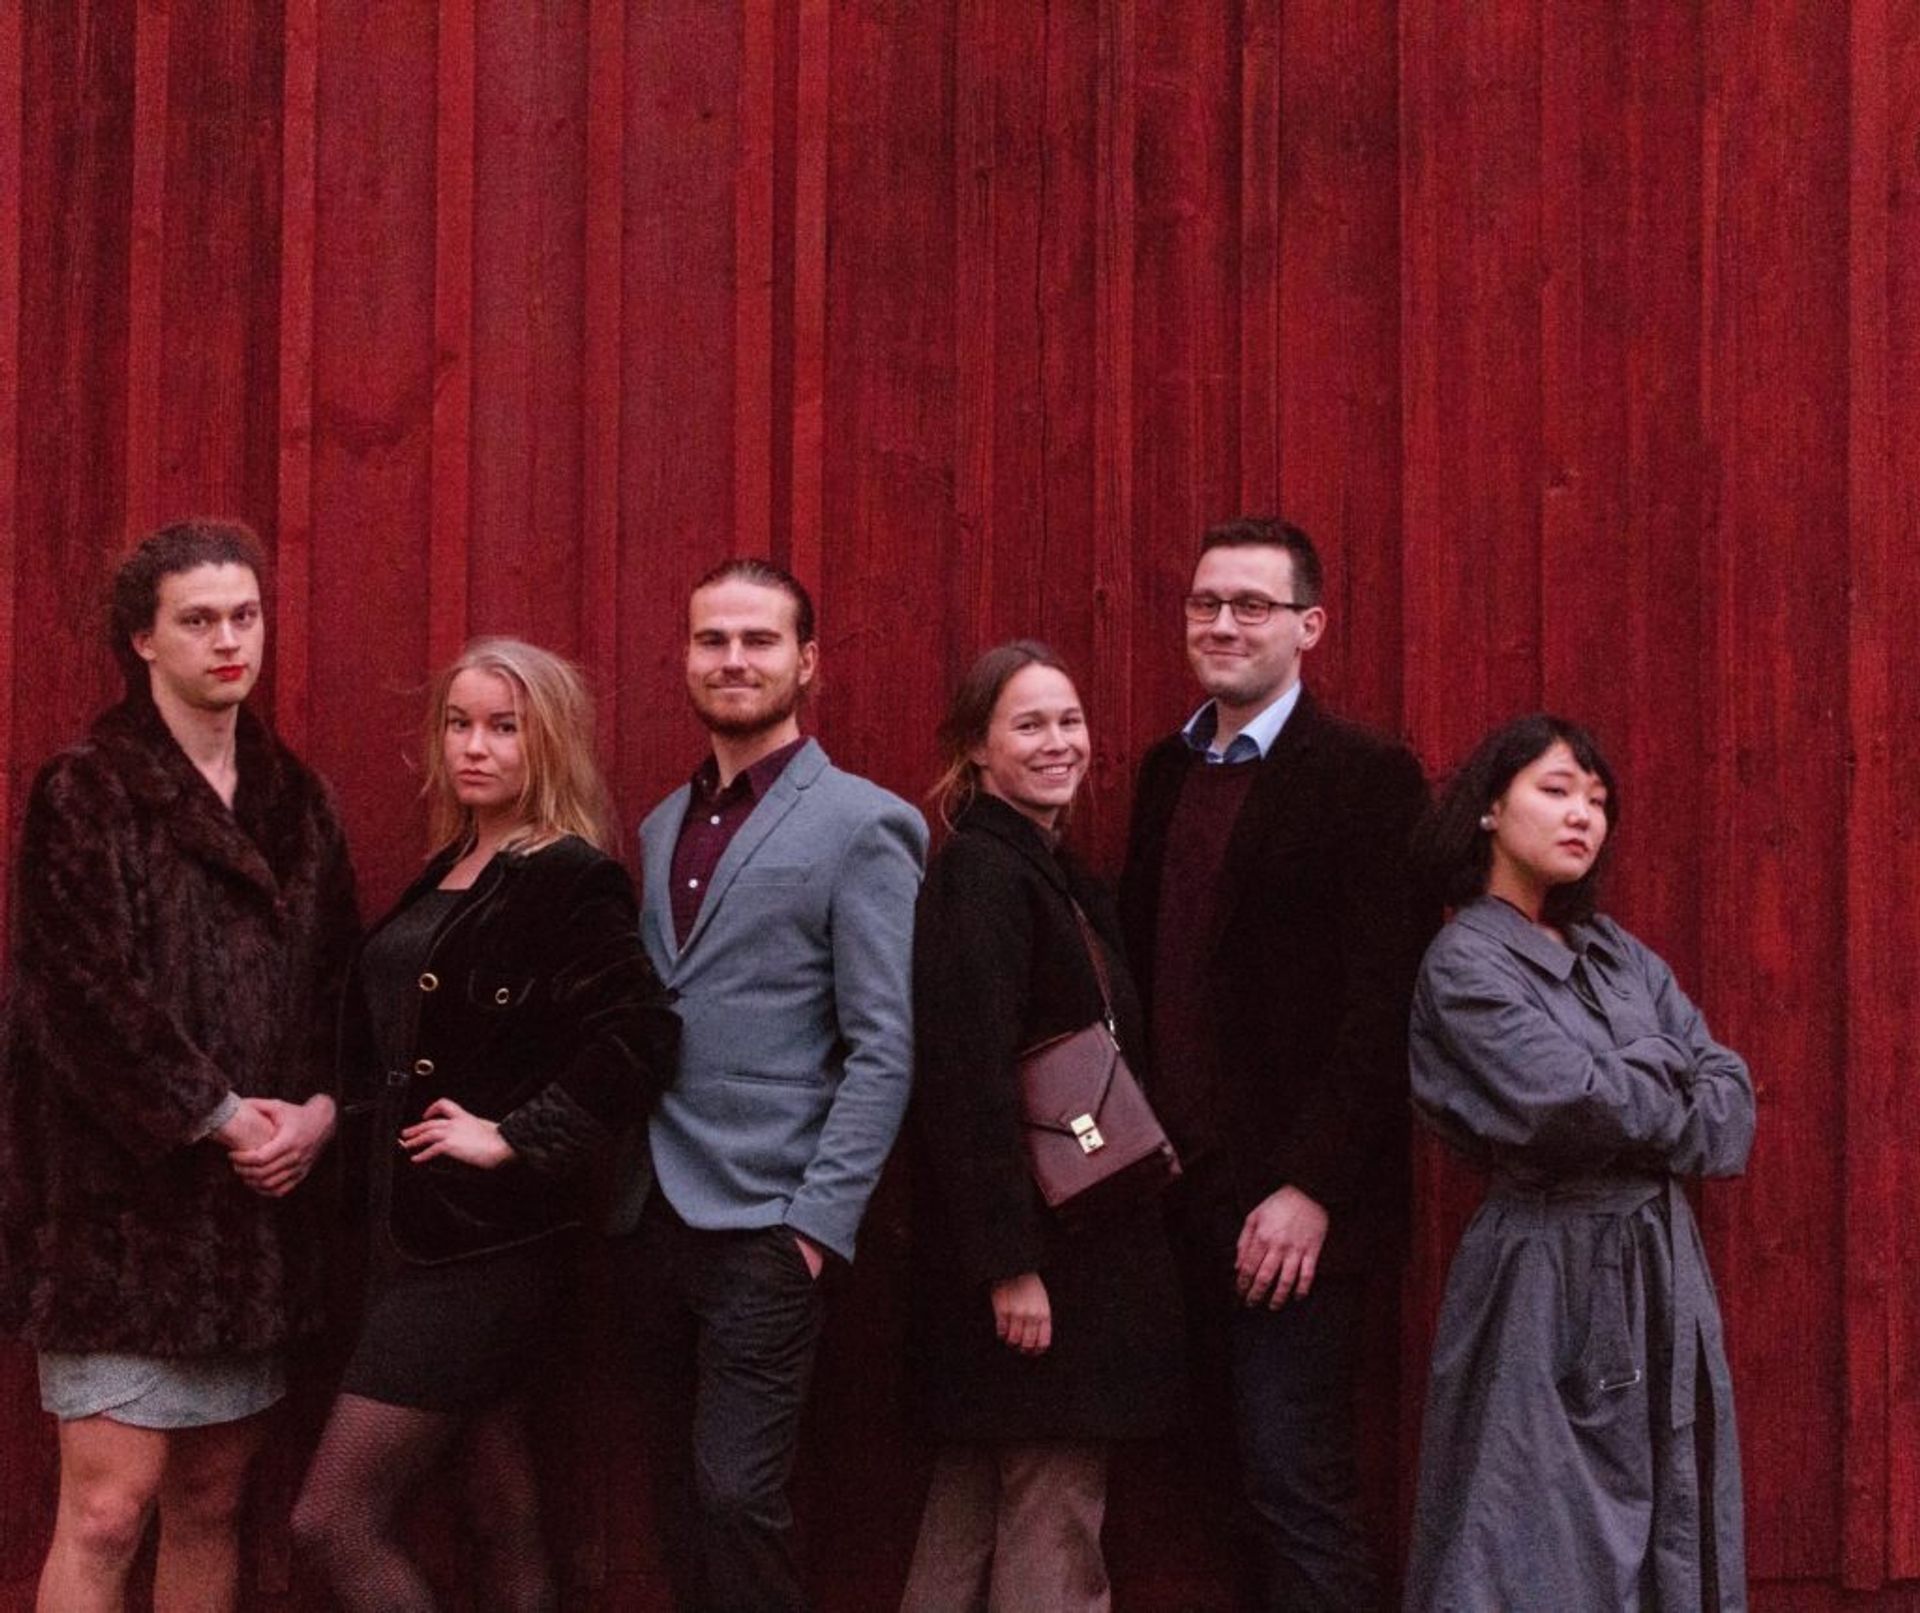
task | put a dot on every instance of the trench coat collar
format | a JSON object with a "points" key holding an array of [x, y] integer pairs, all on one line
{"points": [[1500, 921], [156, 772], [988, 814]]}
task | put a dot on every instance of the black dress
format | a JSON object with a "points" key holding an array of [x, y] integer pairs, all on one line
{"points": [[1000, 964], [526, 999]]}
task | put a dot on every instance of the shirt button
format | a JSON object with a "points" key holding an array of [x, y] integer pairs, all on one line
{"points": [[693, 884], [715, 820]]}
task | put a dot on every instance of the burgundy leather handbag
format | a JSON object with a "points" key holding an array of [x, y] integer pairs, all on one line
{"points": [[1091, 1135]]}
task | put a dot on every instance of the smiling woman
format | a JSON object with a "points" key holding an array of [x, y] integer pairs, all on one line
{"points": [[1037, 1340]]}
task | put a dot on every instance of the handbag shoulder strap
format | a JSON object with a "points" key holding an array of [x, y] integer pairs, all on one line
{"points": [[1090, 939]]}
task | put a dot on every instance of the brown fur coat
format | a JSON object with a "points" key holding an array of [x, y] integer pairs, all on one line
{"points": [[166, 950]]}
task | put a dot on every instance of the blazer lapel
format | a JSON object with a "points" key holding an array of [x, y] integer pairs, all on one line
{"points": [[751, 835], [656, 874]]}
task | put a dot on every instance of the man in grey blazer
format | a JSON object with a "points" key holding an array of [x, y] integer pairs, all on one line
{"points": [[778, 910]]}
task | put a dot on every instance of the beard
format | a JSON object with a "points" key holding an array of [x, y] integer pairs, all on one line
{"points": [[773, 704]]}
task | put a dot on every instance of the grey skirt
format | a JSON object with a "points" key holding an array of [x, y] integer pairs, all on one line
{"points": [[147, 1391]]}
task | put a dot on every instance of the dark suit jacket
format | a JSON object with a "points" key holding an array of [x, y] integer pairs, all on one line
{"points": [[1316, 941]]}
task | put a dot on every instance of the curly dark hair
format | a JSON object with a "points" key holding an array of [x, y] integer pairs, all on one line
{"points": [[179, 546], [1453, 855]]}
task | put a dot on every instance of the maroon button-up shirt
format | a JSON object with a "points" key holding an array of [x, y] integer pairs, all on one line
{"points": [[713, 818]]}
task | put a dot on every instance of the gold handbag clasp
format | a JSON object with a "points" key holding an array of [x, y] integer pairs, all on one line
{"points": [[1089, 1134]]}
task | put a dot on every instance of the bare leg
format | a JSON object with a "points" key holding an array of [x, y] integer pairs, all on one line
{"points": [[201, 1490], [109, 1477], [503, 1501], [370, 1457]]}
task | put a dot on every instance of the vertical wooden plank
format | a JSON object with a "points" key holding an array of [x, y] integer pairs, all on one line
{"points": [[603, 346], [151, 58], [23, 1497], [1262, 131], [527, 321], [1774, 660], [1029, 558], [450, 532], [813, 56], [976, 182], [12, 43], [294, 514], [373, 601], [1892, 855], [753, 180], [1337, 352], [1471, 227], [1872, 968], [1116, 133], [1664, 475], [217, 294]]}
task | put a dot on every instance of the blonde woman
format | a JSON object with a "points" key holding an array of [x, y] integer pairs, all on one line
{"points": [[508, 1026]]}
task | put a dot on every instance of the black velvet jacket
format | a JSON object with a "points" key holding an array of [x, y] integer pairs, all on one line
{"points": [[535, 1006]]}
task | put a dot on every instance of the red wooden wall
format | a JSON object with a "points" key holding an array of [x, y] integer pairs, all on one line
{"points": [[1585, 337]]}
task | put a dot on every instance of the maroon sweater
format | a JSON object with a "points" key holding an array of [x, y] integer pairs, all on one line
{"points": [[1186, 1049]]}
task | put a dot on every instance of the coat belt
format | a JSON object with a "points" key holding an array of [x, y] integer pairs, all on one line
{"points": [[1619, 1199]]}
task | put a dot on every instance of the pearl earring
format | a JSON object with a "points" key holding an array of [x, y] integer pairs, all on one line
{"points": [[1486, 821]]}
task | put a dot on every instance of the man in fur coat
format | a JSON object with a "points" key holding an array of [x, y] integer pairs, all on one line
{"points": [[184, 910]]}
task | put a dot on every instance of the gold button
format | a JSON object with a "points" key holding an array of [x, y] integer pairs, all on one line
{"points": [[429, 981], [503, 996], [423, 1066]]}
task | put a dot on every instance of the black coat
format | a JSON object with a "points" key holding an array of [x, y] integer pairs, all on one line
{"points": [[999, 964], [535, 1006], [1317, 937], [167, 950]]}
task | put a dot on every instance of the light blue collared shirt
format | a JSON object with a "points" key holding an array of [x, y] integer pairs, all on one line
{"points": [[1252, 742]]}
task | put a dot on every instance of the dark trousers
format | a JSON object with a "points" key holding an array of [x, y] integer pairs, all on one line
{"points": [[1286, 1377], [722, 1329]]}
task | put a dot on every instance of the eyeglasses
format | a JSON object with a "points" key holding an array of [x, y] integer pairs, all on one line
{"points": [[1249, 610]]}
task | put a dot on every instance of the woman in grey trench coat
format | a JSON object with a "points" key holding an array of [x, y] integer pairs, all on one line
{"points": [[1579, 1448]]}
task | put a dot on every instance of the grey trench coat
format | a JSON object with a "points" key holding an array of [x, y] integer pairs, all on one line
{"points": [[1579, 1448]]}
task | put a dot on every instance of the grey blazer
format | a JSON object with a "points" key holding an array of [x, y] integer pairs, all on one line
{"points": [[795, 1002]]}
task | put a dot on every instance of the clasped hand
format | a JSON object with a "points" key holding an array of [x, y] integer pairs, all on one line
{"points": [[273, 1144]]}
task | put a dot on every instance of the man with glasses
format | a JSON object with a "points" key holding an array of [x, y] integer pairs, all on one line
{"points": [[1271, 923]]}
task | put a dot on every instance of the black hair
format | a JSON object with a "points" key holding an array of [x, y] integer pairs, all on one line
{"points": [[1453, 854], [1269, 531]]}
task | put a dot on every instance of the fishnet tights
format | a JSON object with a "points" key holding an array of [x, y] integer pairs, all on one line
{"points": [[370, 1459]]}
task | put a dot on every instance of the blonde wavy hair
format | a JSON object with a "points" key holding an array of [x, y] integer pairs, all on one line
{"points": [[563, 793]]}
